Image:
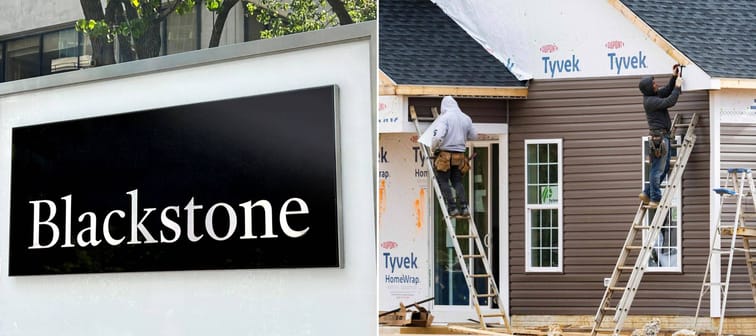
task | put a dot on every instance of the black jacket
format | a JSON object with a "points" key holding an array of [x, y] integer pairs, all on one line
{"points": [[656, 103]]}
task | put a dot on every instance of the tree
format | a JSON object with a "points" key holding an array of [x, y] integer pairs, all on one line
{"points": [[135, 24], [304, 15]]}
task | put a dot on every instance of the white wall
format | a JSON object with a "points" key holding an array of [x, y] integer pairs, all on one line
{"points": [[22, 15], [237, 302], [404, 215]]}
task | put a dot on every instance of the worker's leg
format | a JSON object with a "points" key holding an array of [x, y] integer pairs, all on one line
{"points": [[459, 187], [445, 185]]}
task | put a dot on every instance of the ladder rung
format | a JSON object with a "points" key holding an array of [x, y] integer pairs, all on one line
{"points": [[681, 125], [470, 256], [604, 330], [610, 309], [641, 227], [493, 315], [479, 275], [626, 268], [465, 236], [617, 288], [633, 247], [485, 295]]}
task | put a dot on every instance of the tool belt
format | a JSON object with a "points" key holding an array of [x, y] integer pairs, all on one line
{"points": [[656, 144], [444, 161]]}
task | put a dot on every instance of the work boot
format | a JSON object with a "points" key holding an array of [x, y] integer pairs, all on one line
{"points": [[644, 198], [465, 212], [453, 212], [653, 205]]}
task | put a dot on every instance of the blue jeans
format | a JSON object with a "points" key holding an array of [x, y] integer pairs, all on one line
{"points": [[448, 178], [659, 169]]}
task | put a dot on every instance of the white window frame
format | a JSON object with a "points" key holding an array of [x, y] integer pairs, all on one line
{"points": [[558, 206], [676, 204]]}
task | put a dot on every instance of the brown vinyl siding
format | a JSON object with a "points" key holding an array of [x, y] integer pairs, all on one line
{"points": [[737, 150], [601, 122], [479, 110]]}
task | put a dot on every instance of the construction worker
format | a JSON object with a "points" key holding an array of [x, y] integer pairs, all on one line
{"points": [[450, 131], [656, 101]]}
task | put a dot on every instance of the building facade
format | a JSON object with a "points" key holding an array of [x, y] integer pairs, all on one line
{"points": [[570, 160], [149, 230]]}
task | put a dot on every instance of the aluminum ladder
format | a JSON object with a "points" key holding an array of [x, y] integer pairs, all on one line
{"points": [[644, 251], [742, 187], [466, 261]]}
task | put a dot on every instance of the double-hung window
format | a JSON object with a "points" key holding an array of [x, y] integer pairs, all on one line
{"points": [[543, 205]]}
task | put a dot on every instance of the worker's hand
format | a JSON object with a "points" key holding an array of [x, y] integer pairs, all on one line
{"points": [[675, 70], [678, 82]]}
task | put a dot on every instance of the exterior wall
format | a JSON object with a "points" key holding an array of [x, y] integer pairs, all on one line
{"points": [[406, 197], [601, 122], [479, 110], [23, 15], [239, 302], [736, 110]]}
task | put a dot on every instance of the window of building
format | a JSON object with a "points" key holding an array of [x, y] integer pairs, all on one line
{"points": [[23, 59], [666, 255], [543, 205], [182, 32], [2, 62], [60, 51], [43, 54]]}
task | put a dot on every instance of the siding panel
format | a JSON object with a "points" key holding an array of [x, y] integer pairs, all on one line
{"points": [[738, 149], [601, 122]]}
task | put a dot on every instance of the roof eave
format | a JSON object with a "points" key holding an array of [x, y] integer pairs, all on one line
{"points": [[734, 83], [654, 36], [389, 87]]}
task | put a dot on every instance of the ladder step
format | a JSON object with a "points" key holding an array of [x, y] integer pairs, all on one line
{"points": [[723, 191], [485, 295], [641, 227], [633, 247], [479, 275], [681, 125], [465, 236], [610, 309], [604, 330], [470, 256], [617, 288], [626, 268], [493, 315]]}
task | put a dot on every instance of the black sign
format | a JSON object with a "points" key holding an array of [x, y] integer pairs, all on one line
{"points": [[241, 183]]}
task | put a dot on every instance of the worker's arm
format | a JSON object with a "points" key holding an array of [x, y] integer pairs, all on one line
{"points": [[653, 103]]}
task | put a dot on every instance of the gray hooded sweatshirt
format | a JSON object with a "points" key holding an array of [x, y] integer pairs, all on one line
{"points": [[453, 128], [656, 103]]}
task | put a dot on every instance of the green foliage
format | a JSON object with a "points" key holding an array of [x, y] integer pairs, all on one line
{"points": [[96, 28], [213, 5], [361, 10], [296, 16], [186, 6]]}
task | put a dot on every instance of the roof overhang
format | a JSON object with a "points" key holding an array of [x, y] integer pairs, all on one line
{"points": [[733, 83], [654, 36], [388, 87]]}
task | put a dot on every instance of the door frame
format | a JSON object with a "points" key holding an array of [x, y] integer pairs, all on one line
{"points": [[490, 133]]}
